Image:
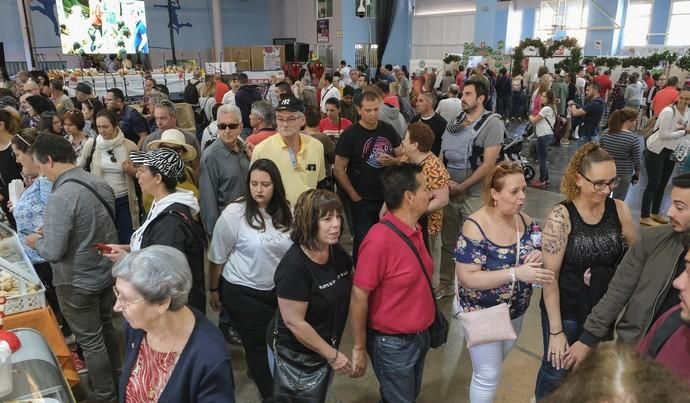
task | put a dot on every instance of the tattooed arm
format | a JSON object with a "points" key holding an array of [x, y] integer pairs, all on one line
{"points": [[555, 240]]}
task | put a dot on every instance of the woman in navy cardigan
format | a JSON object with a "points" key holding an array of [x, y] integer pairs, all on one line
{"points": [[172, 352]]}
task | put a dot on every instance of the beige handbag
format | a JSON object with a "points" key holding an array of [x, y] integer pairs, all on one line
{"points": [[491, 324]]}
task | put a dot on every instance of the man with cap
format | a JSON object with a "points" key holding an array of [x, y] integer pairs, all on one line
{"points": [[83, 92], [299, 157]]}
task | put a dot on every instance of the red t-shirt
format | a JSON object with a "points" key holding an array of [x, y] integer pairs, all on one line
{"points": [[460, 80], [221, 89], [392, 100], [400, 301], [675, 352], [260, 136], [663, 98], [650, 82], [326, 126], [605, 84]]}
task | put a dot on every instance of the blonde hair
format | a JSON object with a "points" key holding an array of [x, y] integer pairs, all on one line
{"points": [[496, 179], [581, 162]]}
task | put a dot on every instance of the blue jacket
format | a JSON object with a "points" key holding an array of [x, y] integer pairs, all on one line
{"points": [[203, 373]]}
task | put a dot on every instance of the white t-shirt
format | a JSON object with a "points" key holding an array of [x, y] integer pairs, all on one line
{"points": [[542, 127], [580, 83], [449, 108], [113, 174], [329, 92], [249, 256]]}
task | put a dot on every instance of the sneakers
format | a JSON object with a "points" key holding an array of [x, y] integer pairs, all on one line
{"points": [[659, 219], [79, 364], [565, 142], [648, 221]]}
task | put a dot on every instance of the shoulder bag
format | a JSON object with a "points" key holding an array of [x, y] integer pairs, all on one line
{"points": [[491, 324], [438, 331], [111, 212]]}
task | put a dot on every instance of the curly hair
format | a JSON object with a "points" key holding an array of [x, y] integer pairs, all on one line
{"points": [[495, 180], [581, 162]]}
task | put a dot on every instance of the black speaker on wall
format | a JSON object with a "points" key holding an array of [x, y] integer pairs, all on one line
{"points": [[290, 52], [302, 50], [3, 66]]}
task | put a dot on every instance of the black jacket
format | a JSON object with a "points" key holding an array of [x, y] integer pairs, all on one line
{"points": [[244, 99], [175, 227]]}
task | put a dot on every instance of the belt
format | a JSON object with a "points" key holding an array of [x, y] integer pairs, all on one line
{"points": [[403, 335]]}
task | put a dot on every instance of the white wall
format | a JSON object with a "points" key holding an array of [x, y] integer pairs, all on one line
{"points": [[435, 35]]}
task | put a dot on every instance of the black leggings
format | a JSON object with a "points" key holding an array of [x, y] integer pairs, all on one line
{"points": [[659, 170], [251, 311]]}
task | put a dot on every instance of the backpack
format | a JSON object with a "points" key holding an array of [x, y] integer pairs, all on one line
{"points": [[650, 128], [191, 93], [477, 156]]}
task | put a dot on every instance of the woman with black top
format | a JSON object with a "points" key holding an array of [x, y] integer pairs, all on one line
{"points": [[313, 283], [584, 238], [36, 105], [9, 168]]}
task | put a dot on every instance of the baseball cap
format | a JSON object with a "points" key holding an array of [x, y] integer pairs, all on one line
{"points": [[291, 104], [9, 101], [167, 161], [85, 88]]}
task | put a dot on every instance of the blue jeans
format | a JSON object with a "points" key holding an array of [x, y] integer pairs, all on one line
{"points": [[123, 220], [398, 362], [549, 378], [543, 143]]}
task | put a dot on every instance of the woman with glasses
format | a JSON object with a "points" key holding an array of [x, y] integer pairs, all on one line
{"points": [[50, 123], [173, 353], [90, 109], [110, 160], [489, 272], [250, 238], [584, 238]]}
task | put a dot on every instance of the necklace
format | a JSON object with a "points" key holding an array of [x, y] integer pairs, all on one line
{"points": [[154, 390]]}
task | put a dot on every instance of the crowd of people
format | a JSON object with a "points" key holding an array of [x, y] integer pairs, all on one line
{"points": [[124, 203]]}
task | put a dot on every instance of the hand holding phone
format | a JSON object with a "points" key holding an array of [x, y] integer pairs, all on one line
{"points": [[26, 232], [103, 248]]}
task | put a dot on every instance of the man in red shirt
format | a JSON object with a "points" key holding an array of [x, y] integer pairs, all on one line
{"points": [[605, 84], [460, 78], [221, 88], [392, 306], [648, 79], [668, 341], [665, 96]]}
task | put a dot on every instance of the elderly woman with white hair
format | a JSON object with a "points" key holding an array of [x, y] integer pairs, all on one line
{"points": [[173, 352], [224, 167]]}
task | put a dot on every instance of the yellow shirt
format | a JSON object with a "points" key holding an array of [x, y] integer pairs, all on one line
{"points": [[300, 172]]}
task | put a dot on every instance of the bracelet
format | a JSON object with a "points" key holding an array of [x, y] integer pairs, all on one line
{"points": [[331, 361], [214, 289], [556, 334], [511, 270]]}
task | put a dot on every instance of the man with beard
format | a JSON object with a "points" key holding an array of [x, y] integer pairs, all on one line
{"points": [[470, 147], [642, 282]]}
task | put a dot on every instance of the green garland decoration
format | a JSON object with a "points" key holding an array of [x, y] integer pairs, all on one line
{"points": [[547, 49], [470, 49]]}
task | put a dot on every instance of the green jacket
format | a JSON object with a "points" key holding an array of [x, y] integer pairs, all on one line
{"points": [[642, 281], [560, 91]]}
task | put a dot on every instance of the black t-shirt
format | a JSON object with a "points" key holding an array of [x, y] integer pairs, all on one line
{"points": [[326, 288], [672, 296], [9, 170], [590, 122], [438, 125], [363, 148]]}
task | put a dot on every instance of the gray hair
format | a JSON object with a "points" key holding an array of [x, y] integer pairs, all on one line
{"points": [[264, 109], [167, 105], [156, 97], [454, 89], [157, 272], [227, 108]]}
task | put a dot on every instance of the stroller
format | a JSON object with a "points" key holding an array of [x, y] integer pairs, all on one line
{"points": [[512, 151]]}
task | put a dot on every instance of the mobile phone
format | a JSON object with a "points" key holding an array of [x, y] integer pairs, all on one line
{"points": [[26, 232], [103, 248]]}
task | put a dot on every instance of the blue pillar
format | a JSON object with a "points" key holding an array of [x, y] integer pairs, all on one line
{"points": [[597, 18], [500, 27], [484, 20], [355, 30], [529, 16], [660, 22]]}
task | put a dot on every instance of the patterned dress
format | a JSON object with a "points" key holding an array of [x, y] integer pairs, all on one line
{"points": [[490, 257]]}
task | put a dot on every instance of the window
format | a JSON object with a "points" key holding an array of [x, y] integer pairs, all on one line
{"points": [[361, 55], [637, 20], [680, 21], [555, 16], [324, 9]]}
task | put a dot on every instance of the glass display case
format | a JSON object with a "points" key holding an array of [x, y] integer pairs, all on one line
{"points": [[19, 282], [36, 375]]}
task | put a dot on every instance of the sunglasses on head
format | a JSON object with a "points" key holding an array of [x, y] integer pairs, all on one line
{"points": [[228, 126], [111, 153]]}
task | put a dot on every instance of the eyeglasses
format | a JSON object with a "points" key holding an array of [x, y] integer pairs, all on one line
{"points": [[228, 126], [111, 153], [601, 185], [124, 305], [287, 121]]}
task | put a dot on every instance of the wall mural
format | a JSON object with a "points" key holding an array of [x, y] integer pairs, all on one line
{"points": [[47, 8], [174, 19]]}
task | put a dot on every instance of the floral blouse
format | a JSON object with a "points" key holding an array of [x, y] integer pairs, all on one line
{"points": [[491, 256], [28, 212]]}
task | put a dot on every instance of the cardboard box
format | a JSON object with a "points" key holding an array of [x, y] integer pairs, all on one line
{"points": [[240, 55], [268, 57]]}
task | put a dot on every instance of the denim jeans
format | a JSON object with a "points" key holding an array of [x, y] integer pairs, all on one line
{"points": [[365, 213], [123, 220], [251, 311], [89, 314], [398, 362], [543, 143], [549, 378], [659, 170]]}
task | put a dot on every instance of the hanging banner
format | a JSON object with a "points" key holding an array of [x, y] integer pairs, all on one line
{"points": [[322, 31]]}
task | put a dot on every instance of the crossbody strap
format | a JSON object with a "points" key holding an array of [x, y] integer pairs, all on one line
{"points": [[414, 249], [664, 332], [111, 213]]}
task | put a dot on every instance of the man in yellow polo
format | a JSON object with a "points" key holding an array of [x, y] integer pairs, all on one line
{"points": [[299, 157]]}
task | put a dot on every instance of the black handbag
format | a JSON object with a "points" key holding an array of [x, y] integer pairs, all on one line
{"points": [[438, 331]]}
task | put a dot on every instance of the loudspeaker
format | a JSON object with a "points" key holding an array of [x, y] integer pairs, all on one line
{"points": [[290, 52], [3, 67], [302, 50]]}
